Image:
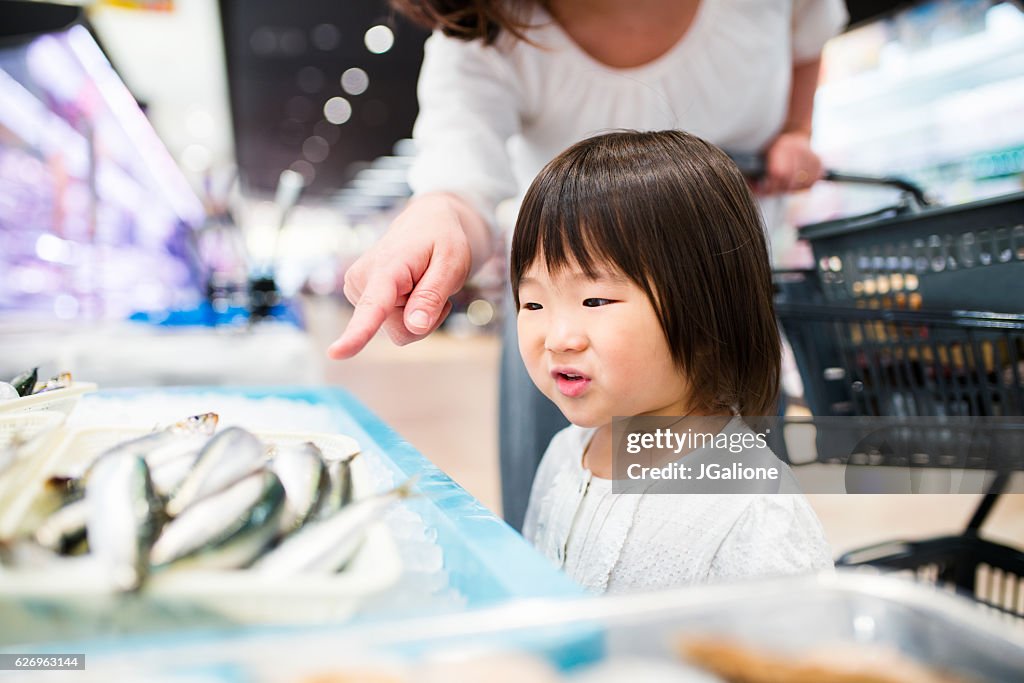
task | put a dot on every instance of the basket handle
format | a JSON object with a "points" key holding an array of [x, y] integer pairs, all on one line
{"points": [[753, 165], [889, 181]]}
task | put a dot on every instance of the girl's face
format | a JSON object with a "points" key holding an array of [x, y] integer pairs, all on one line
{"points": [[595, 346]]}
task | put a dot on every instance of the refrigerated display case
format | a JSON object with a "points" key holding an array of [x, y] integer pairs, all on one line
{"points": [[827, 628], [96, 218], [441, 552], [99, 227]]}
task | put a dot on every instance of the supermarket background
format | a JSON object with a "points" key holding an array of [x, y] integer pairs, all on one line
{"points": [[148, 238]]}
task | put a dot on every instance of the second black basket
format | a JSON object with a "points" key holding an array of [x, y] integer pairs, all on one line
{"points": [[967, 256]]}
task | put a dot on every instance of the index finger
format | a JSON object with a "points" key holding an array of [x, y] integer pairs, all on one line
{"points": [[379, 298]]}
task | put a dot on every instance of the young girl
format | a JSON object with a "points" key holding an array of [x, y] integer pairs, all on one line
{"points": [[643, 286]]}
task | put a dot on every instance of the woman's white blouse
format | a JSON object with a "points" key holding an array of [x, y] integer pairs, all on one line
{"points": [[491, 117], [618, 542]]}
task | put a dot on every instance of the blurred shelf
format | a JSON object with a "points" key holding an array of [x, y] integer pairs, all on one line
{"points": [[969, 62]]}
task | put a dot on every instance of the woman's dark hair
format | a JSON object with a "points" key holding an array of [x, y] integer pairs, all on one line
{"points": [[674, 214], [469, 19]]}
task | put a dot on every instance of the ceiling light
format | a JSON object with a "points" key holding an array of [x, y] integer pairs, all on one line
{"points": [[379, 39], [325, 36], [305, 169], [293, 42], [327, 131], [337, 110], [263, 41], [355, 81], [480, 312], [315, 149]]}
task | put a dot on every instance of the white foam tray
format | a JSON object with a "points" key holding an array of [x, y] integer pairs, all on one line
{"points": [[38, 432], [239, 595], [26, 426], [59, 400]]}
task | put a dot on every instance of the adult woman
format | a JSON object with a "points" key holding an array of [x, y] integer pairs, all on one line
{"points": [[506, 86]]}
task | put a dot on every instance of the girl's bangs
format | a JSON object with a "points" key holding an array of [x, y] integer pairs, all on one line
{"points": [[576, 224]]}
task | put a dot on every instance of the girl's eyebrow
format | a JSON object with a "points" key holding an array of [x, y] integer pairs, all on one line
{"points": [[605, 276], [610, 276]]}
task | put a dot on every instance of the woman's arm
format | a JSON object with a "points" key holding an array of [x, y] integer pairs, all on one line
{"points": [[791, 163], [801, 97], [403, 282], [469, 107]]}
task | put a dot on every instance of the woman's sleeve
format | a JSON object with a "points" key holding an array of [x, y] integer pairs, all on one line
{"points": [[814, 23], [470, 106], [776, 535]]}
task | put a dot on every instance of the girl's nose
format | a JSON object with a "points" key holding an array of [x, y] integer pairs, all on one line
{"points": [[565, 335]]}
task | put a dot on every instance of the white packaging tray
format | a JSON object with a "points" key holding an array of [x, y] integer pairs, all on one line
{"points": [[58, 400], [237, 596], [38, 433], [26, 426]]}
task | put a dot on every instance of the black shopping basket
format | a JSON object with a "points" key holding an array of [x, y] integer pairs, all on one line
{"points": [[887, 327], [963, 257]]}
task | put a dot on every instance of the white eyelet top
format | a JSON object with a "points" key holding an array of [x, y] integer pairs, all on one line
{"points": [[619, 542]]}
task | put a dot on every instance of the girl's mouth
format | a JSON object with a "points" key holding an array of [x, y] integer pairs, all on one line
{"points": [[571, 384]]}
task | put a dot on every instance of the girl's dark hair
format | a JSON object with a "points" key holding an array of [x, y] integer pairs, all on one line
{"points": [[469, 19], [674, 214]]}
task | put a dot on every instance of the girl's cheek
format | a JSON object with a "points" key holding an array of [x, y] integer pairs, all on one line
{"points": [[530, 331]]}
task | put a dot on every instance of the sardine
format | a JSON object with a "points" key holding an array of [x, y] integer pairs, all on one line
{"points": [[225, 459], [227, 529], [306, 482], [61, 381], [326, 546], [56, 493], [340, 493], [163, 444], [168, 477], [171, 461], [186, 443], [25, 382], [65, 528], [124, 517]]}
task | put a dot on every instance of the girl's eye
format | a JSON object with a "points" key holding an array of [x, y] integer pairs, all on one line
{"points": [[531, 306], [594, 302]]}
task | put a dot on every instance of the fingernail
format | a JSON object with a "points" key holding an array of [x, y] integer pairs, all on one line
{"points": [[419, 319]]}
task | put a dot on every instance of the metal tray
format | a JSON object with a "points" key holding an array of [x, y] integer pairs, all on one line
{"points": [[785, 616]]}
